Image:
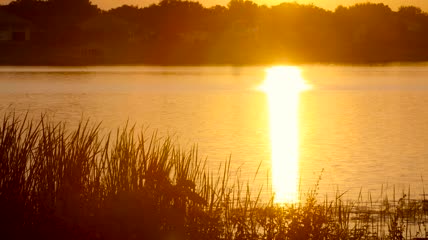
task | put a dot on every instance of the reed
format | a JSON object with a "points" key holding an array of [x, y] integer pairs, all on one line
{"points": [[58, 182]]}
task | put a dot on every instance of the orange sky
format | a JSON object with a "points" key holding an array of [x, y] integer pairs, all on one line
{"points": [[328, 4]]}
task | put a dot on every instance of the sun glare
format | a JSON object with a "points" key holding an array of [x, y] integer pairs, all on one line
{"points": [[283, 86], [283, 79]]}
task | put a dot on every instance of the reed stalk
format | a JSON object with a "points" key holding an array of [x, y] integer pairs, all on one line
{"points": [[63, 183]]}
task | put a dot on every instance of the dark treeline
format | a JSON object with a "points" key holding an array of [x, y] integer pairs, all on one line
{"points": [[185, 32]]}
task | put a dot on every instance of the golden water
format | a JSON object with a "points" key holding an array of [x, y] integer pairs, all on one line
{"points": [[365, 126]]}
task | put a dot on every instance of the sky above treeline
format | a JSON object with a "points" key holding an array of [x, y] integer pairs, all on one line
{"points": [[326, 4]]}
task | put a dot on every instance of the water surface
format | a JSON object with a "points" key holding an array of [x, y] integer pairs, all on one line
{"points": [[364, 127]]}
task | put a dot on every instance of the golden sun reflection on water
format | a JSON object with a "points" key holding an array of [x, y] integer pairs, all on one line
{"points": [[283, 86]]}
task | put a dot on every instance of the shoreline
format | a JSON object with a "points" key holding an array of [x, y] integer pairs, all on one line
{"points": [[213, 64]]}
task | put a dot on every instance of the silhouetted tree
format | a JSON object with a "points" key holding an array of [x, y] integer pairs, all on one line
{"points": [[181, 31], [32, 10], [73, 11], [243, 10], [131, 14]]}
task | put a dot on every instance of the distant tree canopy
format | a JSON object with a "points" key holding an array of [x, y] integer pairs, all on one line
{"points": [[177, 31], [50, 12]]}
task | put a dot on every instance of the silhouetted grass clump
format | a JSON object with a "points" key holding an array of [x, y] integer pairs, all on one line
{"points": [[62, 183]]}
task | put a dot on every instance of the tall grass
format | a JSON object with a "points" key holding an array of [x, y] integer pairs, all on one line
{"points": [[62, 183]]}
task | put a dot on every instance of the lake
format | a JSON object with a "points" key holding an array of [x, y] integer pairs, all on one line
{"points": [[358, 128]]}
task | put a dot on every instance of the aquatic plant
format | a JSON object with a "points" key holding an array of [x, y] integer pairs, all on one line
{"points": [[59, 182]]}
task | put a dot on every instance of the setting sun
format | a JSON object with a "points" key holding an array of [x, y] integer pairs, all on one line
{"points": [[283, 79]]}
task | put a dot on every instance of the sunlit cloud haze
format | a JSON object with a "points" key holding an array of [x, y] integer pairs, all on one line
{"points": [[327, 4]]}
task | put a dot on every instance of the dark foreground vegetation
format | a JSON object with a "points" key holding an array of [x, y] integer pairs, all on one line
{"points": [[70, 32], [63, 183]]}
